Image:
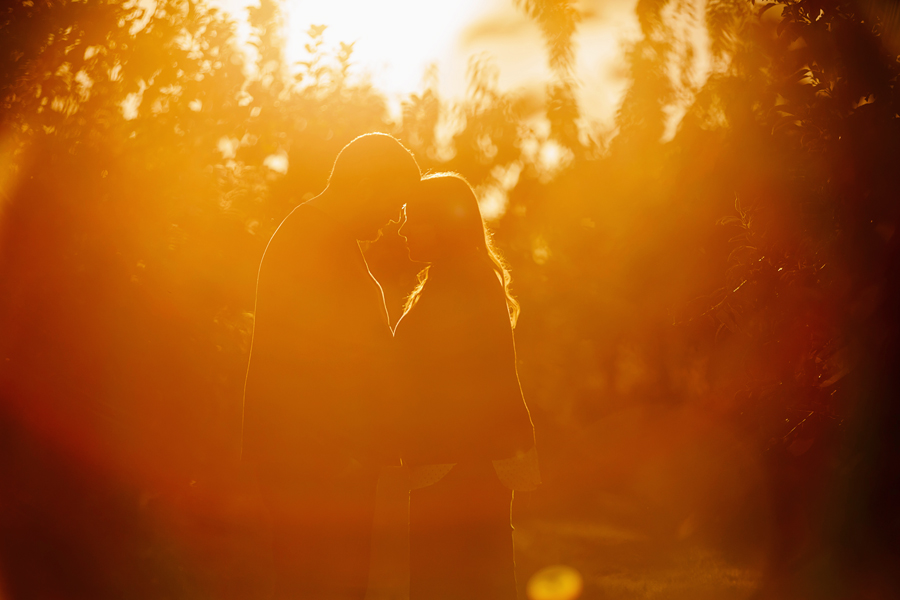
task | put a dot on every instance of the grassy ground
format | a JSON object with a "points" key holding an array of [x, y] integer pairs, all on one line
{"points": [[661, 505], [626, 564]]}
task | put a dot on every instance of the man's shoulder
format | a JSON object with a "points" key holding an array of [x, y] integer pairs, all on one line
{"points": [[303, 227], [304, 219]]}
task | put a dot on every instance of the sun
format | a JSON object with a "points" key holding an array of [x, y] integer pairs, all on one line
{"points": [[395, 41]]}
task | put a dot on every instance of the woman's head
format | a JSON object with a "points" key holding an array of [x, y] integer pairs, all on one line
{"points": [[443, 223], [444, 227]]}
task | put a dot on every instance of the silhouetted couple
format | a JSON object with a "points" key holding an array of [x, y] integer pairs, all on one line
{"points": [[333, 395]]}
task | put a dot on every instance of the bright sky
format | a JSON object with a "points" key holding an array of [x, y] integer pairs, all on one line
{"points": [[396, 41]]}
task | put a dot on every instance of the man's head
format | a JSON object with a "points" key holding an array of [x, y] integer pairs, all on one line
{"points": [[372, 178]]}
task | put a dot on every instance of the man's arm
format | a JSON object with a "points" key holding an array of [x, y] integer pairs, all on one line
{"points": [[288, 341]]}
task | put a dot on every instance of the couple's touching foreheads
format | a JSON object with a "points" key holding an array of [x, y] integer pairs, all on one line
{"points": [[334, 395]]}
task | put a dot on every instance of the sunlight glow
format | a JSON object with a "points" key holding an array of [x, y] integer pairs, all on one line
{"points": [[690, 64], [558, 582], [277, 162], [395, 39]]}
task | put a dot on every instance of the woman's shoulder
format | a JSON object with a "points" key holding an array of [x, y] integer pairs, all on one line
{"points": [[458, 301], [487, 295], [476, 303], [471, 281], [468, 291]]}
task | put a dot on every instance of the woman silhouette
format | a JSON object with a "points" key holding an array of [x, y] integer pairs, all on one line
{"points": [[467, 434]]}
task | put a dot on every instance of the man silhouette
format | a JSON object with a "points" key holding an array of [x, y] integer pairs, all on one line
{"points": [[316, 401]]}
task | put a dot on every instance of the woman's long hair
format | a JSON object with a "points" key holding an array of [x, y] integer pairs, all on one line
{"points": [[449, 203]]}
